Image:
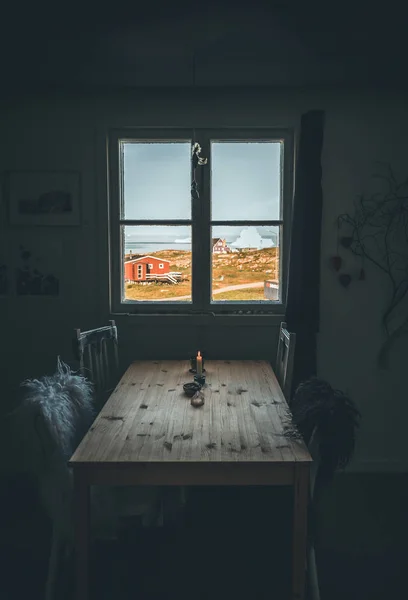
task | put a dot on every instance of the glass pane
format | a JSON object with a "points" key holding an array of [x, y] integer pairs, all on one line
{"points": [[245, 264], [156, 180], [245, 180], [157, 263]]}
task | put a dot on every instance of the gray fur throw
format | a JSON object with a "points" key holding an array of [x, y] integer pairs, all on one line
{"points": [[65, 400], [316, 406], [61, 408]]}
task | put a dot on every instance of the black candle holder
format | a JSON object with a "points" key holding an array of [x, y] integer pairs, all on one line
{"points": [[200, 379]]}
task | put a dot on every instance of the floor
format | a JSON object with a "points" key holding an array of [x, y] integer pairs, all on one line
{"points": [[362, 537], [233, 544]]}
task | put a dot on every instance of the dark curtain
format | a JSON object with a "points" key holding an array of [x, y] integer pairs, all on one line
{"points": [[302, 312]]}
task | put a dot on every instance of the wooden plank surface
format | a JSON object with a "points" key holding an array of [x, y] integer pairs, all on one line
{"points": [[148, 418]]}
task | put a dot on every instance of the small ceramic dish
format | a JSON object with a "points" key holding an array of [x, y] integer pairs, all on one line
{"points": [[191, 388]]}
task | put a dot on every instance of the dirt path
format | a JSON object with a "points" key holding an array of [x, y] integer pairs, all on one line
{"points": [[241, 286], [228, 288]]}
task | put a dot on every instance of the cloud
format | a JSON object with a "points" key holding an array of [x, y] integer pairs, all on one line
{"points": [[251, 238], [186, 240]]}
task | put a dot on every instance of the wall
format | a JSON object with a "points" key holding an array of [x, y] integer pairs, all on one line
{"points": [[56, 131]]}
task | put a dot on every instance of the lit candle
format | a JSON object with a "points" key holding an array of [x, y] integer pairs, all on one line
{"points": [[199, 364]]}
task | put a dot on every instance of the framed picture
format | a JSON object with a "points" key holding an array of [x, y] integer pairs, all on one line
{"points": [[44, 198]]}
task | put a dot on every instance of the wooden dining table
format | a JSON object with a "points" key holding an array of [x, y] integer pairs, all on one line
{"points": [[148, 433]]}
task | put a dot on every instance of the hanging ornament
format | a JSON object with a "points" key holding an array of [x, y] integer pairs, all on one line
{"points": [[336, 262], [345, 279], [197, 159]]}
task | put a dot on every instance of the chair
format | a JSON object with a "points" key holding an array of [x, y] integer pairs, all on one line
{"points": [[97, 353], [327, 420], [284, 360], [60, 409]]}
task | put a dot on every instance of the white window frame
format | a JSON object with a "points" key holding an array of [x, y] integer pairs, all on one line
{"points": [[150, 265], [200, 223], [161, 266]]}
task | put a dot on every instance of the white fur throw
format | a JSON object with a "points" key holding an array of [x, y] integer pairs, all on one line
{"points": [[62, 407], [66, 403]]}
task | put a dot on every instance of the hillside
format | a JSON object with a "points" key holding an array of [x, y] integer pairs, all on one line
{"points": [[245, 266]]}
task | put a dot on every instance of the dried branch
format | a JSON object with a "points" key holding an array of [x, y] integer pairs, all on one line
{"points": [[378, 231]]}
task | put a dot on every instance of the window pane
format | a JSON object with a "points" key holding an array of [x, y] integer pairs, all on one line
{"points": [[245, 264], [157, 263], [245, 180], [156, 180]]}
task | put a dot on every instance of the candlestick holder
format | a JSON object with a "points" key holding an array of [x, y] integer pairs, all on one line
{"points": [[200, 379]]}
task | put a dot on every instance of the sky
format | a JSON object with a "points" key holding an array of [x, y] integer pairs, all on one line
{"points": [[245, 185]]}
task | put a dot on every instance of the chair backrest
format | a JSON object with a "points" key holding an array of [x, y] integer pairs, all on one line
{"points": [[284, 360], [97, 353]]}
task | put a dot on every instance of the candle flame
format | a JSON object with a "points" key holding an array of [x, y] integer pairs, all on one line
{"points": [[199, 354]]}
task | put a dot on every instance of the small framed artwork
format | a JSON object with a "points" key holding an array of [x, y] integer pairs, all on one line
{"points": [[44, 198]]}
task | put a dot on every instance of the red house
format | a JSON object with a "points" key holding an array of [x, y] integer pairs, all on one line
{"points": [[146, 268]]}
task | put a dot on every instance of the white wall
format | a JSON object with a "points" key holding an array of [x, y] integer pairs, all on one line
{"points": [[64, 132]]}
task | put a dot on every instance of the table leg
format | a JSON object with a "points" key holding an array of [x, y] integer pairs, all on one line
{"points": [[301, 486], [81, 514]]}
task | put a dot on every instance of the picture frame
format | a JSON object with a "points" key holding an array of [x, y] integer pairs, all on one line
{"points": [[44, 198]]}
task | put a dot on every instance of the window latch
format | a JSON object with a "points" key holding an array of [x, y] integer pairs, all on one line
{"points": [[197, 161]]}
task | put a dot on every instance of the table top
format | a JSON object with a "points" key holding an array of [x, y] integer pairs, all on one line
{"points": [[148, 418]]}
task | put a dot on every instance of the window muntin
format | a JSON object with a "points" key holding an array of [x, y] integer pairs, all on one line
{"points": [[207, 216]]}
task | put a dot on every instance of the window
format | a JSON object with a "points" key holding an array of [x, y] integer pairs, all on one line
{"points": [[225, 251]]}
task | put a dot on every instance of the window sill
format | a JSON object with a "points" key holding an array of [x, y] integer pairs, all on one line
{"points": [[205, 319]]}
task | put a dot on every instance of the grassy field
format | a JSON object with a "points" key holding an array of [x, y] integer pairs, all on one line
{"points": [[238, 268], [245, 295]]}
